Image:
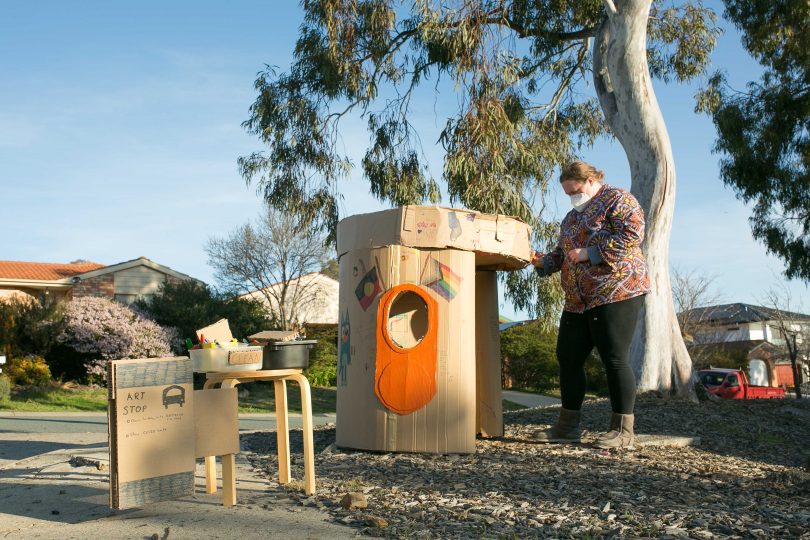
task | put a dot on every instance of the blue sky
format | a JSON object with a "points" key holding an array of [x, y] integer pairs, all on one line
{"points": [[120, 130]]}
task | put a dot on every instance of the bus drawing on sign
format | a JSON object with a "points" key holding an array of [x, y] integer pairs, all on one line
{"points": [[174, 394]]}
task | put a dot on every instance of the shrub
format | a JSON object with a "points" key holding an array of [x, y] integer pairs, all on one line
{"points": [[529, 357], [29, 371], [323, 376], [111, 331], [596, 375], [189, 305], [322, 369], [5, 388], [96, 371], [30, 326], [98, 330]]}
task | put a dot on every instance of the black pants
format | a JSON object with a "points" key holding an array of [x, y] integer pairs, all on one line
{"points": [[610, 328]]}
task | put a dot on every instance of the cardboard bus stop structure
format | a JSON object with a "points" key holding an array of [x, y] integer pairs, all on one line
{"points": [[419, 364]]}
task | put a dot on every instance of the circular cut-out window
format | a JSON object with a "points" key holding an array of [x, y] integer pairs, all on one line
{"points": [[407, 320]]}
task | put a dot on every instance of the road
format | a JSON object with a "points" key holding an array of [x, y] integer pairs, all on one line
{"points": [[67, 422]]}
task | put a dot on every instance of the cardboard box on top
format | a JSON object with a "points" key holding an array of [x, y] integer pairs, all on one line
{"points": [[499, 242], [419, 350]]}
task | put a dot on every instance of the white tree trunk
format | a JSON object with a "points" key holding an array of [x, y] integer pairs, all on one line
{"points": [[623, 84]]}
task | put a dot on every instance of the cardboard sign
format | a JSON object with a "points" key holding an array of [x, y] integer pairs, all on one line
{"points": [[151, 423], [216, 423]]}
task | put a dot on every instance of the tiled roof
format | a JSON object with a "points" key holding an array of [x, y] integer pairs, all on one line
{"points": [[44, 271], [738, 313]]}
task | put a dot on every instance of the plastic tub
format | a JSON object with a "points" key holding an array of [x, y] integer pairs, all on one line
{"points": [[287, 354], [244, 358]]}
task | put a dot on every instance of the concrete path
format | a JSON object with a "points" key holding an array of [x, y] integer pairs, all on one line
{"points": [[527, 399], [46, 493]]}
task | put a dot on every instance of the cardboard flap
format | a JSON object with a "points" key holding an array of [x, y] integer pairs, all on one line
{"points": [[275, 335], [219, 331], [216, 424]]}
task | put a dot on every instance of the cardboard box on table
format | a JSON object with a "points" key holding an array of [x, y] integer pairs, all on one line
{"points": [[418, 351]]}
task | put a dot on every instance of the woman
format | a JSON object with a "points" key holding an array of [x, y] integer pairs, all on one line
{"points": [[604, 277]]}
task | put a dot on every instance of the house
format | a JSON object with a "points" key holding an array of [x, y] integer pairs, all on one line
{"points": [[125, 281], [311, 299], [748, 334]]}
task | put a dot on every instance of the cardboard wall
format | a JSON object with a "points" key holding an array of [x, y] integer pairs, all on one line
{"points": [[447, 423], [489, 404]]}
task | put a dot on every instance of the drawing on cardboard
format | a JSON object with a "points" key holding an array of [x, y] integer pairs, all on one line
{"points": [[368, 288], [440, 278], [455, 225], [344, 356], [174, 395], [407, 350]]}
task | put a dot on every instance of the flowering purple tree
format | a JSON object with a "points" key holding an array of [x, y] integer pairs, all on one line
{"points": [[106, 330]]}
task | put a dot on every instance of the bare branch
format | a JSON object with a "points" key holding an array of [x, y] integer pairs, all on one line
{"points": [[268, 259]]}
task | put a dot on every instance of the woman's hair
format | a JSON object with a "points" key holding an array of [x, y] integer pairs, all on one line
{"points": [[580, 171]]}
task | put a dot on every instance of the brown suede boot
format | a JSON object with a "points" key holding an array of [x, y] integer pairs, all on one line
{"points": [[566, 430], [620, 434]]}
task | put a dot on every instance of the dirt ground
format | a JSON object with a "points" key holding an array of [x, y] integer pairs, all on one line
{"points": [[749, 477]]}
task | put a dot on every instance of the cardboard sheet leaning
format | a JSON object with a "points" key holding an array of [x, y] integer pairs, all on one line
{"points": [[418, 355], [158, 426]]}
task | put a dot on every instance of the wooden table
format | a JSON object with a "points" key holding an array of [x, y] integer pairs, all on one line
{"points": [[279, 378]]}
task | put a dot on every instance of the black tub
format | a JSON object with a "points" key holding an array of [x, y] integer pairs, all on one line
{"points": [[287, 354]]}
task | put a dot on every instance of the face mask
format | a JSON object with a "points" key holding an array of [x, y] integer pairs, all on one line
{"points": [[579, 201]]}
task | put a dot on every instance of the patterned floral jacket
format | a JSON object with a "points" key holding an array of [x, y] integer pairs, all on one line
{"points": [[611, 227]]}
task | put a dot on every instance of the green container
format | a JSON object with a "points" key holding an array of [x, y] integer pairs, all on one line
{"points": [[287, 354]]}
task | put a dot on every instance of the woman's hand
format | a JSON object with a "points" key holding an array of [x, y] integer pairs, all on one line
{"points": [[537, 259], [577, 255]]}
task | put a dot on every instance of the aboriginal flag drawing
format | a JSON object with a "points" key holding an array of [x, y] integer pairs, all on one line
{"points": [[442, 279], [368, 288]]}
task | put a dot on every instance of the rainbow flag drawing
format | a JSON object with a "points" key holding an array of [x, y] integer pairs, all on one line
{"points": [[443, 280]]}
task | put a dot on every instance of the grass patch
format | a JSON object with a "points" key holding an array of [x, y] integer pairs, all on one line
{"points": [[56, 398], [260, 398]]}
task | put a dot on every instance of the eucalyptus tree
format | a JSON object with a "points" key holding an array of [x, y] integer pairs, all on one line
{"points": [[764, 130], [520, 69]]}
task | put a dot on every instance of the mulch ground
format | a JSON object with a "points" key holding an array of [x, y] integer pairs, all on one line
{"points": [[748, 478]]}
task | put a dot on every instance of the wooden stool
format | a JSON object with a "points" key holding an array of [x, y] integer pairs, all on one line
{"points": [[279, 378]]}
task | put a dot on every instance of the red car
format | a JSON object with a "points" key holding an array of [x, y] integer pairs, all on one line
{"points": [[733, 384]]}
